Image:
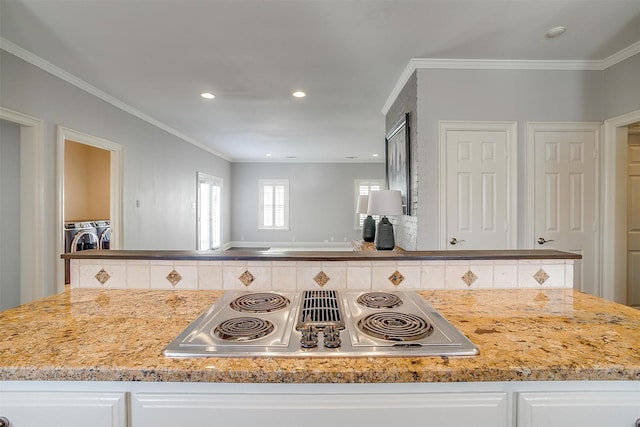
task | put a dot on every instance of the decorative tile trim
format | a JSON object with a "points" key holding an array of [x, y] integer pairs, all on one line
{"points": [[246, 278], [396, 278], [469, 278], [541, 276], [174, 277], [353, 275], [321, 279], [102, 276]]}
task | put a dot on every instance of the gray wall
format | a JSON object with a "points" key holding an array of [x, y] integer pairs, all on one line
{"points": [[9, 215], [321, 197], [622, 88], [493, 95], [406, 227], [159, 168]]}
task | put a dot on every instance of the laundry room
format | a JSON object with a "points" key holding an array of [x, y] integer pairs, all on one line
{"points": [[86, 198]]}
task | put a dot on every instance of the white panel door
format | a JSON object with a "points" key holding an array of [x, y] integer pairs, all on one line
{"points": [[564, 205], [633, 228], [476, 190]]}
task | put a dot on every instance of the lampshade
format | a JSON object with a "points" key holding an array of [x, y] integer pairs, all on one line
{"points": [[363, 204], [385, 202]]}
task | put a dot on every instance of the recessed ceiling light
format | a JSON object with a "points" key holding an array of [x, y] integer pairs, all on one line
{"points": [[555, 32], [375, 155], [299, 94], [207, 95]]}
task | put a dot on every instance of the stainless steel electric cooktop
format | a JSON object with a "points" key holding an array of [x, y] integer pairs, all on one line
{"points": [[320, 323]]}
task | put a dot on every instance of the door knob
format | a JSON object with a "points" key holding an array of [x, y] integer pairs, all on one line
{"points": [[542, 241], [455, 241], [4, 422]]}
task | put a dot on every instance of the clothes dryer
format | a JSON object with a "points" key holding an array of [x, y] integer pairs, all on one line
{"points": [[103, 230], [78, 236]]}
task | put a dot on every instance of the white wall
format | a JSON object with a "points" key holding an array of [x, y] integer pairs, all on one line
{"points": [[159, 168], [321, 200], [493, 95], [9, 215]]}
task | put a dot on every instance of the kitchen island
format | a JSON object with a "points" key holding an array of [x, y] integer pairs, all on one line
{"points": [[535, 345]]}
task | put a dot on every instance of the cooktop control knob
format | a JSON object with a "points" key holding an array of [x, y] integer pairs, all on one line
{"points": [[309, 337], [331, 337]]}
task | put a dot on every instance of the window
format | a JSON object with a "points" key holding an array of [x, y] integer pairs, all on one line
{"points": [[363, 187], [209, 208], [274, 204]]}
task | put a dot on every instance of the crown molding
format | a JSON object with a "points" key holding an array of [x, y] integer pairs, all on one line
{"points": [[45, 65], [503, 64], [625, 53]]}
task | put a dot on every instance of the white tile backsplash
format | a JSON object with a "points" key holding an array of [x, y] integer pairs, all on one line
{"points": [[299, 275], [432, 276]]}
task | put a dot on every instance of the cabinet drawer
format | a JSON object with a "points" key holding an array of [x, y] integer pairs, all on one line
{"points": [[584, 409], [321, 410], [63, 409]]}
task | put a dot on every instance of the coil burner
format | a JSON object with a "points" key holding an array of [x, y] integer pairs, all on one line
{"points": [[393, 326], [320, 323], [379, 300], [243, 329], [259, 303]]}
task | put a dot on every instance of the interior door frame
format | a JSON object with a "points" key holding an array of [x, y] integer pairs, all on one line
{"points": [[529, 232], [34, 250], [115, 190], [532, 128], [511, 131], [614, 210], [218, 182]]}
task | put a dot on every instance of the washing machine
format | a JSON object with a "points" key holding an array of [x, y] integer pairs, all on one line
{"points": [[78, 236], [103, 231]]}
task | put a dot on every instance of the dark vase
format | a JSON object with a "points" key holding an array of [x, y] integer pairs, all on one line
{"points": [[384, 235], [369, 229]]}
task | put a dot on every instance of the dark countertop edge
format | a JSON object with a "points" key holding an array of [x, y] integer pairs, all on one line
{"points": [[237, 255]]}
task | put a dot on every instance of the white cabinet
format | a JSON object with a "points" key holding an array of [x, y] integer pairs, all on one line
{"points": [[477, 404], [583, 409], [63, 409], [479, 409]]}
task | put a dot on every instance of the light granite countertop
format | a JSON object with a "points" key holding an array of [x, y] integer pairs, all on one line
{"points": [[119, 335]]}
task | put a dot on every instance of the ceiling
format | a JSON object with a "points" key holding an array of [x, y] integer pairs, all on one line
{"points": [[158, 56]]}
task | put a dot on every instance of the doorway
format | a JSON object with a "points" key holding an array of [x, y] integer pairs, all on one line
{"points": [[562, 202], [209, 220], [9, 215], [616, 225], [633, 215], [35, 250], [94, 152]]}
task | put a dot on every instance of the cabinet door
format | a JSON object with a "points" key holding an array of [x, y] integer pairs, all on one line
{"points": [[63, 409], [584, 409], [321, 410]]}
